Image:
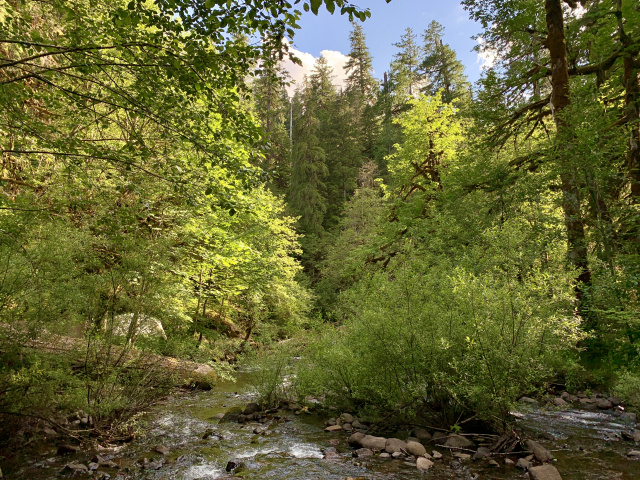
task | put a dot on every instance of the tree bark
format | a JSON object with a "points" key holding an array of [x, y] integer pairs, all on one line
{"points": [[560, 100]]}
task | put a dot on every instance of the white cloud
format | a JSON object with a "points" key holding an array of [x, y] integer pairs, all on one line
{"points": [[336, 60], [486, 56]]}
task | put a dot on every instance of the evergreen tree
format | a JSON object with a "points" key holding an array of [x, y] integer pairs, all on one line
{"points": [[406, 76], [442, 67]]}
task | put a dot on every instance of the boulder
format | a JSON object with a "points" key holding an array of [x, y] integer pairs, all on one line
{"points": [[528, 400], [539, 452], [333, 428], [544, 472], [458, 441], [615, 401], [422, 434], [355, 440], [347, 427], [424, 464], [508, 461], [636, 436], [251, 408], [415, 448], [232, 415], [373, 443], [357, 424], [493, 464], [233, 465], [603, 404], [330, 453], [347, 418], [385, 455], [560, 402], [398, 455], [394, 445]]}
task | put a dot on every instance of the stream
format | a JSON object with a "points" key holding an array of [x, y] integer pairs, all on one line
{"points": [[588, 445]]}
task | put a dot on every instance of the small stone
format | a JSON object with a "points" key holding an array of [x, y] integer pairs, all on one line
{"points": [[439, 437], [636, 436], [49, 432], [398, 455], [423, 464], [385, 455], [362, 453], [415, 448], [528, 400], [544, 472], [523, 464], [94, 466], [482, 452], [436, 455], [357, 424], [493, 464], [330, 423], [162, 449], [347, 427], [74, 468], [333, 428], [509, 462], [635, 454], [463, 457], [615, 401], [330, 453]]}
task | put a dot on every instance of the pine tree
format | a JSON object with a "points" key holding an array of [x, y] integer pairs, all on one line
{"points": [[406, 76]]}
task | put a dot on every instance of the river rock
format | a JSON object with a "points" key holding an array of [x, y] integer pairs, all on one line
{"points": [[636, 436], [251, 408], [232, 415], [509, 462], [385, 456], [74, 468], [560, 402], [539, 452], [233, 465], [93, 466], [415, 448], [436, 455], [330, 423], [424, 464], [49, 432], [355, 440], [162, 449], [634, 454], [458, 441], [523, 464], [374, 443], [357, 424], [493, 464], [615, 401], [362, 453], [347, 418], [544, 472], [397, 455], [482, 452], [421, 434], [333, 428], [393, 445], [330, 453], [463, 457], [104, 462], [347, 427], [603, 404], [528, 400]]}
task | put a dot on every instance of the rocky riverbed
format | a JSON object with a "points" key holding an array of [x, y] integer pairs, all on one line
{"points": [[221, 435]]}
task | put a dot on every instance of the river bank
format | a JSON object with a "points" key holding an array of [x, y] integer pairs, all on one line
{"points": [[184, 438]]}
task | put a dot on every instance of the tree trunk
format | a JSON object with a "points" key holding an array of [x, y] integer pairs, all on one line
{"points": [[577, 245]]}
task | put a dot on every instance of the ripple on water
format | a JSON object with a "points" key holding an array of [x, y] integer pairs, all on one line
{"points": [[208, 471]]}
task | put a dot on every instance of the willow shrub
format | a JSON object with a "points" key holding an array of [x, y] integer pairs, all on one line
{"points": [[448, 338]]}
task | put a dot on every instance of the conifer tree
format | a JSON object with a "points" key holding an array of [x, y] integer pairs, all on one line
{"points": [[442, 67], [406, 76]]}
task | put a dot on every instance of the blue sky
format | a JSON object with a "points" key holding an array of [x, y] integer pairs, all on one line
{"points": [[388, 22]]}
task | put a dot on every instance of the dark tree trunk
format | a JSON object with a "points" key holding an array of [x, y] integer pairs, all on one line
{"points": [[577, 245]]}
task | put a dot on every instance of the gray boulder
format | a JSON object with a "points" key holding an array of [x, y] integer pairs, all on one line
{"points": [[347, 418], [362, 453], [422, 434], [458, 441], [424, 464], [482, 452], [355, 440], [415, 448], [544, 472], [394, 445], [373, 443], [539, 452]]}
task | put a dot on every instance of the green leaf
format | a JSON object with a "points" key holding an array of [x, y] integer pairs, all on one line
{"points": [[330, 6], [315, 5]]}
